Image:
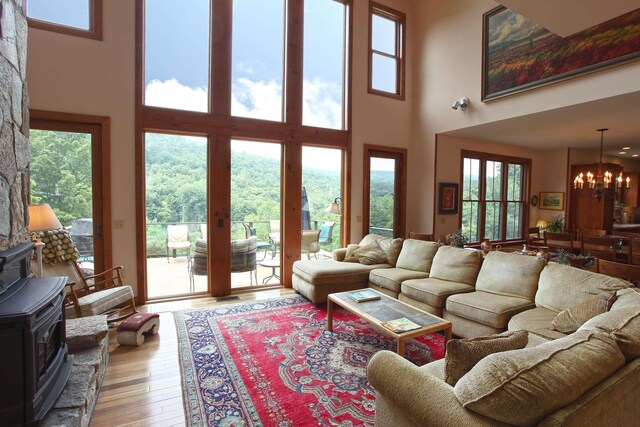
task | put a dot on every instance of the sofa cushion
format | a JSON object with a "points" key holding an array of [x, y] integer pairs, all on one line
{"points": [[629, 297], [348, 255], [509, 274], [456, 265], [523, 386], [537, 321], [433, 291], [570, 319], [489, 309], [391, 278], [370, 238], [370, 254], [328, 271], [623, 324], [417, 255], [561, 286], [391, 249], [463, 354]]}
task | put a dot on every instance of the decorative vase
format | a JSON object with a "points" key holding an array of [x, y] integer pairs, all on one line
{"points": [[485, 245], [542, 253]]}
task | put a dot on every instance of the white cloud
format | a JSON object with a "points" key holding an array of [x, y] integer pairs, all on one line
{"points": [[172, 94], [322, 103]]}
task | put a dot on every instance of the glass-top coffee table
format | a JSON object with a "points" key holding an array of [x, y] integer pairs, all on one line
{"points": [[385, 309]]}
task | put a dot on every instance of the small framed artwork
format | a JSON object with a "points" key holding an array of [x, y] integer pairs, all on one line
{"points": [[448, 198], [552, 201]]}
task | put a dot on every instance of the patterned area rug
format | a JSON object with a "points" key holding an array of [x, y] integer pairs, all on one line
{"points": [[273, 363]]}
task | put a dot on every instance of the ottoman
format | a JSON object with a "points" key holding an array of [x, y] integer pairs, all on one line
{"points": [[134, 328]]}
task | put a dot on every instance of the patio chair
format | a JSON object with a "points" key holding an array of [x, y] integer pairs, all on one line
{"points": [[274, 236], [326, 233], [178, 238], [261, 246], [243, 259], [310, 243], [203, 231]]}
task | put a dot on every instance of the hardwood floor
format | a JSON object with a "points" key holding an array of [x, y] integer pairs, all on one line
{"points": [[142, 385]]}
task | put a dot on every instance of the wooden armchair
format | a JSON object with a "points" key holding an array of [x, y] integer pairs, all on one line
{"points": [[91, 295]]}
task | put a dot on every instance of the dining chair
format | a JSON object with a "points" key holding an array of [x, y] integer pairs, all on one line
{"points": [[611, 248], [555, 241], [628, 272]]}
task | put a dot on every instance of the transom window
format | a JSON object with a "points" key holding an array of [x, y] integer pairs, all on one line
{"points": [[386, 51], [493, 197], [81, 18]]}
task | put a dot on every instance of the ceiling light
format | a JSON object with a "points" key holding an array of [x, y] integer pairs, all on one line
{"points": [[626, 148], [635, 155], [622, 152]]}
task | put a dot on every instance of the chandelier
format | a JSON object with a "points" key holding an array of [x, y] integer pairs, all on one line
{"points": [[601, 181]]}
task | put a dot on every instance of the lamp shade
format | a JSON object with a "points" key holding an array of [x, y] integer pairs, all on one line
{"points": [[542, 224], [41, 218]]}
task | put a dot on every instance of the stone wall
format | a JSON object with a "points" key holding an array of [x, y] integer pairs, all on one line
{"points": [[15, 149]]}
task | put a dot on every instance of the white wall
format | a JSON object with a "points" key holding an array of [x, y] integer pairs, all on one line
{"points": [[448, 49]]}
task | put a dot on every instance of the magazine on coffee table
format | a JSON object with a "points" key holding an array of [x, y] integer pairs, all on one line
{"points": [[362, 296], [400, 325]]}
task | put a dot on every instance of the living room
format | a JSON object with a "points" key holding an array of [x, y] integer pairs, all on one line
{"points": [[443, 61]]}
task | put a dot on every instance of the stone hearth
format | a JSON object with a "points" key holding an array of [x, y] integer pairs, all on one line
{"points": [[88, 341]]}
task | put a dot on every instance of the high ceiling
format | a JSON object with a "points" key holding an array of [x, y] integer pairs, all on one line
{"points": [[573, 126]]}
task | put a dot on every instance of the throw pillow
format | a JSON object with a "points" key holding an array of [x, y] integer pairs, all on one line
{"points": [[391, 249], [370, 254], [349, 257], [463, 354], [570, 319]]}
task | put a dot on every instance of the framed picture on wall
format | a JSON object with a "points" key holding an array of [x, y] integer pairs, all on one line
{"points": [[448, 198], [551, 201]]}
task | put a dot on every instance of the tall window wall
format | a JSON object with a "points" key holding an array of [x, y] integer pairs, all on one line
{"points": [[494, 198], [242, 70]]}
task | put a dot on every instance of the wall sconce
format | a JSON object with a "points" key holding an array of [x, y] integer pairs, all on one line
{"points": [[462, 103], [334, 207]]}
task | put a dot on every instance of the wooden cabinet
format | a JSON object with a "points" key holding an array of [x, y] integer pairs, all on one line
{"points": [[585, 210]]}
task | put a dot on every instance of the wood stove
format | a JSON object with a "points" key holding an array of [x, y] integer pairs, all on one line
{"points": [[34, 360]]}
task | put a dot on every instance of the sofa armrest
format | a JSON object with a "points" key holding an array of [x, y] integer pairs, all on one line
{"points": [[427, 400], [339, 254]]}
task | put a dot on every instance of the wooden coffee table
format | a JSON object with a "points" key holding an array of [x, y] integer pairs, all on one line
{"points": [[386, 308]]}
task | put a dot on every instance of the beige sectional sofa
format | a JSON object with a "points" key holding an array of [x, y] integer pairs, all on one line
{"points": [[589, 377]]}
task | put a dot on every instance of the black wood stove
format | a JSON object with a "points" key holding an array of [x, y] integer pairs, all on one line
{"points": [[34, 360]]}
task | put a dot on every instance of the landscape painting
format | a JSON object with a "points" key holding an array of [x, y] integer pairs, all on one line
{"points": [[519, 54]]}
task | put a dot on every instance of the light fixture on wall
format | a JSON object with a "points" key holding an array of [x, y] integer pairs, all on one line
{"points": [[601, 181], [334, 207], [461, 103], [41, 218]]}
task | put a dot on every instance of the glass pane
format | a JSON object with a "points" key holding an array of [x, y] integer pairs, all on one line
{"points": [[72, 13], [493, 177], [324, 64], [514, 220], [257, 59], [471, 184], [176, 205], [383, 35], [61, 177], [492, 220], [382, 196], [177, 55], [383, 73], [470, 221], [321, 186], [255, 213], [514, 184]]}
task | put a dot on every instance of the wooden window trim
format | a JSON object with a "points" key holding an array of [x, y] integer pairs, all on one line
{"points": [[526, 190], [95, 24], [220, 127], [401, 20], [400, 186], [99, 128]]}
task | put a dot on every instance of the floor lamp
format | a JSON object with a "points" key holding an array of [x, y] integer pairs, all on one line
{"points": [[41, 218]]}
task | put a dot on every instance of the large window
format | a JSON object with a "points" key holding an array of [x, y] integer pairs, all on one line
{"points": [[81, 18], [386, 51], [493, 197]]}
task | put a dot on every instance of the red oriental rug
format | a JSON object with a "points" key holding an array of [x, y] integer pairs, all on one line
{"points": [[274, 363]]}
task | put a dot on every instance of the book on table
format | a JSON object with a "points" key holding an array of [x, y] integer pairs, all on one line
{"points": [[400, 325], [362, 296]]}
